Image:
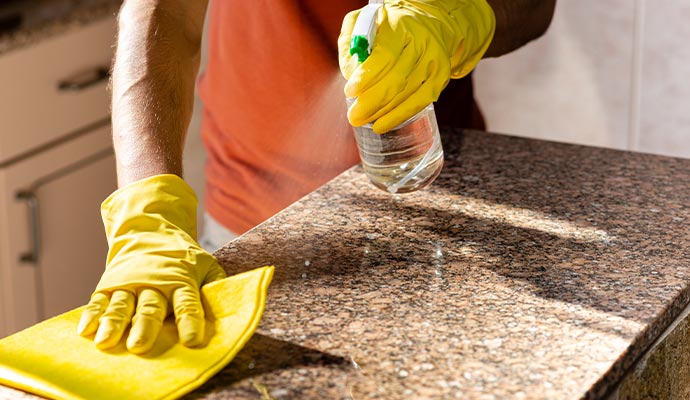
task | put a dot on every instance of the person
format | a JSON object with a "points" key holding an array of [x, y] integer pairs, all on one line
{"points": [[272, 125]]}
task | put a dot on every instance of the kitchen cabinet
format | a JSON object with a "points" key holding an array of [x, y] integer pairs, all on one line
{"points": [[56, 167], [53, 242]]}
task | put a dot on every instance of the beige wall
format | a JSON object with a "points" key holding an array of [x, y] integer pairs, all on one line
{"points": [[613, 73]]}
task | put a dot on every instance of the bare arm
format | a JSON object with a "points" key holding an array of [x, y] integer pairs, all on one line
{"points": [[518, 22], [155, 67]]}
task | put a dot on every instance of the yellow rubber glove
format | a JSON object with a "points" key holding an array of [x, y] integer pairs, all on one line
{"points": [[154, 263], [419, 46]]}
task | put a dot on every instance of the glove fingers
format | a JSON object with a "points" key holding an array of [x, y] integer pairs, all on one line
{"points": [[88, 323], [406, 109], [152, 308], [387, 50], [347, 62], [215, 273], [366, 74], [387, 94], [189, 316], [115, 320], [372, 102]]}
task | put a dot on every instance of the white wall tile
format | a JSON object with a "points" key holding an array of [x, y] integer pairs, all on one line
{"points": [[573, 84], [665, 83]]}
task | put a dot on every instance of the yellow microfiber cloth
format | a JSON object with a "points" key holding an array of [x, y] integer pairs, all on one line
{"points": [[51, 360]]}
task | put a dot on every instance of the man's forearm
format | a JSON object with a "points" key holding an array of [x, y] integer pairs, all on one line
{"points": [[155, 67], [518, 22]]}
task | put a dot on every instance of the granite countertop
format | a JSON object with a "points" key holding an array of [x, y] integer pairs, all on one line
{"points": [[52, 17], [528, 270]]}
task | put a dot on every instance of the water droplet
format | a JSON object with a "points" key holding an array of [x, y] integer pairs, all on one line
{"points": [[304, 275], [277, 331], [307, 263], [279, 393], [251, 365]]}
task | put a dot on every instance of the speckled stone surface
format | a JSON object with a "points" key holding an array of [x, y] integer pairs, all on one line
{"points": [[528, 270], [74, 13]]}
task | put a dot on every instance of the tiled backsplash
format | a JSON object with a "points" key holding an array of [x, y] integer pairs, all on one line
{"points": [[612, 73]]}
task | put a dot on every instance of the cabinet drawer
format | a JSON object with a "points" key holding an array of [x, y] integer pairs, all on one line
{"points": [[55, 87], [52, 245]]}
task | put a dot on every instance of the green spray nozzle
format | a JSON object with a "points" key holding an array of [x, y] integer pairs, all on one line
{"points": [[359, 45], [364, 32]]}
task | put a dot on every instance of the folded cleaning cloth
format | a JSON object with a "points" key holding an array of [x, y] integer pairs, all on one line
{"points": [[49, 359]]}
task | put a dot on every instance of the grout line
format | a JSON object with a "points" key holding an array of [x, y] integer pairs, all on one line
{"points": [[636, 77]]}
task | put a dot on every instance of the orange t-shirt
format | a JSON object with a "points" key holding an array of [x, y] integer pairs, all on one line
{"points": [[275, 125]]}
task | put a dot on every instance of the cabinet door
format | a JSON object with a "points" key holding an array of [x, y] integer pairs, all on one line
{"points": [[72, 243], [53, 246]]}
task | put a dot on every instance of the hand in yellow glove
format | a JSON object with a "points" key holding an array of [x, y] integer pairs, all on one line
{"points": [[154, 263], [419, 46]]}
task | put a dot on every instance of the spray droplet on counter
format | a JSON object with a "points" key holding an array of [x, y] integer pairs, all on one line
{"points": [[307, 263], [354, 363]]}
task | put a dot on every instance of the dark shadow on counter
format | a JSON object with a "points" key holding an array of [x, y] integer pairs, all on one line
{"points": [[264, 355]]}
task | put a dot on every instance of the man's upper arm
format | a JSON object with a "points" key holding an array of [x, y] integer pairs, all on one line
{"points": [[518, 22]]}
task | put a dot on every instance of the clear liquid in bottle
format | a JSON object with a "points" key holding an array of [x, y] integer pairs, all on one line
{"points": [[405, 159]]}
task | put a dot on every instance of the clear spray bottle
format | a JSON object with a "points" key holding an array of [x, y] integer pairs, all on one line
{"points": [[410, 156]]}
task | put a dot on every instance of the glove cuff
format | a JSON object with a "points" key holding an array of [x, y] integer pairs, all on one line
{"points": [[475, 25], [158, 200], [465, 27]]}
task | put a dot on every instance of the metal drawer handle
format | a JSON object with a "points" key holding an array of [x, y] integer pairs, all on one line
{"points": [[32, 256], [31, 198], [84, 80]]}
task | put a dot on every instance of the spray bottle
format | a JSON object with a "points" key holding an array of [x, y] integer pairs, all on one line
{"points": [[408, 157]]}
